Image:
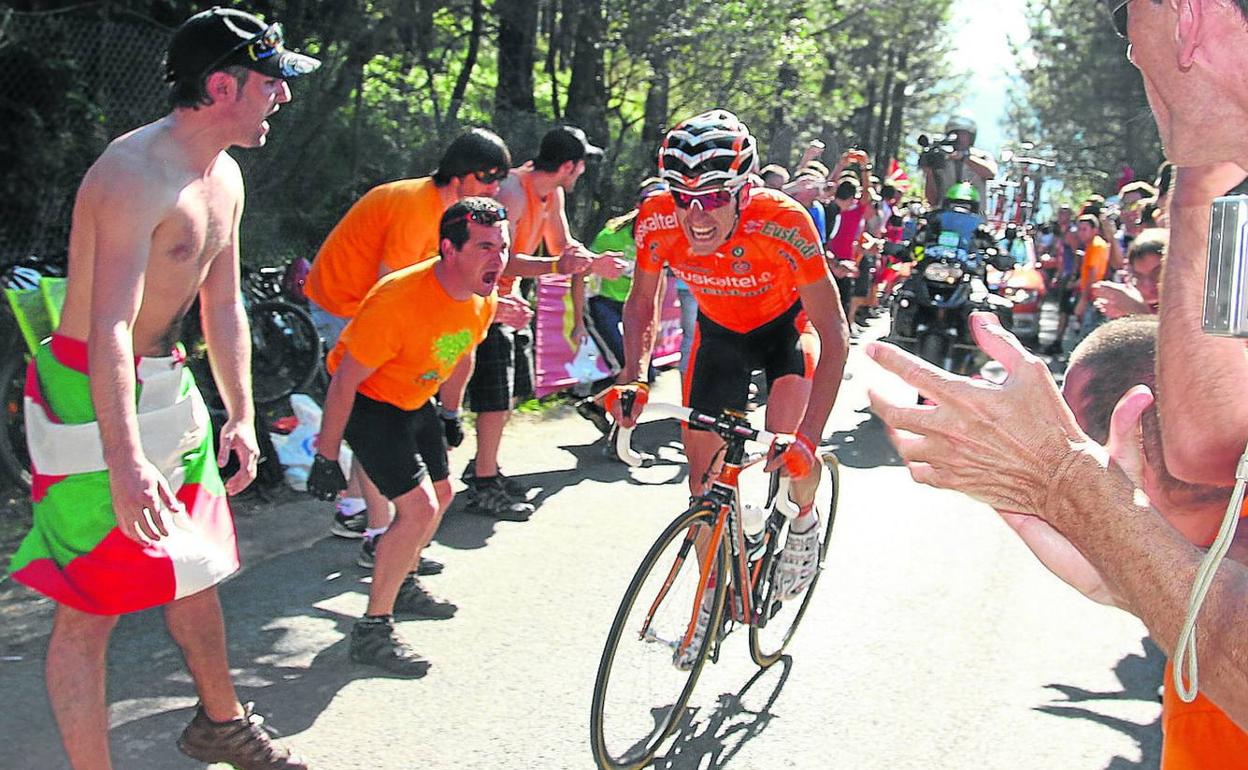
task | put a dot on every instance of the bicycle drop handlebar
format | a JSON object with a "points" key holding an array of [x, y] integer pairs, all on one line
{"points": [[726, 427]]}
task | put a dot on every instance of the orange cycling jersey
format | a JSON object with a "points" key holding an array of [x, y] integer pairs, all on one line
{"points": [[754, 276], [394, 224]]}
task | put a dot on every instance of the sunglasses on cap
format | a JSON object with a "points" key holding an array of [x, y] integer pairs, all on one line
{"points": [[709, 201], [482, 216], [492, 175], [258, 48]]}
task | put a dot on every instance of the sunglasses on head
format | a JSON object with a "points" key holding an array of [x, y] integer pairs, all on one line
{"points": [[482, 216], [492, 175], [709, 201], [258, 48]]}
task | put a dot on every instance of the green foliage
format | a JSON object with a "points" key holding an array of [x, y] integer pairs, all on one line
{"points": [[1082, 95]]}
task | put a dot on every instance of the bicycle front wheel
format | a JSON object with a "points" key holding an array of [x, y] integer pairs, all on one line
{"points": [[285, 350], [640, 693], [778, 622]]}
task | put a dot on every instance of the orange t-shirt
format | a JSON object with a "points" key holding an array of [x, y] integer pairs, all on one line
{"points": [[1095, 263], [528, 228], [394, 224], [753, 277], [1198, 735], [412, 333]]}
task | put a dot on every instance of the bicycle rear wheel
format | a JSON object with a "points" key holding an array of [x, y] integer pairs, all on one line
{"points": [[779, 620], [639, 693], [285, 350]]}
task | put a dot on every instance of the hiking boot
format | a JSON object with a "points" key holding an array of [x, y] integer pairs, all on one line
{"points": [[414, 599], [375, 643], [469, 477], [591, 410], [350, 526], [368, 557], [243, 743], [493, 499]]}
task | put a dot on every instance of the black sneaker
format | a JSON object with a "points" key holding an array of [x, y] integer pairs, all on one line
{"points": [[492, 499], [368, 557], [349, 526], [414, 599], [591, 410], [469, 477], [375, 643], [242, 743]]}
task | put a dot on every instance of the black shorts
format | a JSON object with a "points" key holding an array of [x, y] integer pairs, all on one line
{"points": [[721, 361], [1067, 296], [845, 287], [397, 448], [502, 372], [866, 277]]}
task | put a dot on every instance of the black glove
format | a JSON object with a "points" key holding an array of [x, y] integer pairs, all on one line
{"points": [[453, 424], [326, 479]]}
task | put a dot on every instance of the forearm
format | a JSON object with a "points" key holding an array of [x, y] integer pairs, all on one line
{"points": [[338, 403], [529, 266], [578, 302], [451, 394], [640, 329], [229, 351], [826, 382], [1204, 412], [1152, 567], [110, 365]]}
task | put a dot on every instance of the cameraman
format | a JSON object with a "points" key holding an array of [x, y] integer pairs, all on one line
{"points": [[955, 160], [1057, 474]]}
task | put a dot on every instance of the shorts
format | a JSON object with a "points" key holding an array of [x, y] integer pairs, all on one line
{"points": [[845, 287], [1067, 296], [397, 448], [502, 373], [723, 360], [866, 277], [328, 325]]}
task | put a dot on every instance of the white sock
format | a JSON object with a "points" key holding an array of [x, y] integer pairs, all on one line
{"points": [[806, 520], [349, 506], [373, 532]]}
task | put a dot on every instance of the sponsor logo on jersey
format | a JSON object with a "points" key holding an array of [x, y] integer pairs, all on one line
{"points": [[741, 266], [791, 236], [709, 281], [653, 223]]}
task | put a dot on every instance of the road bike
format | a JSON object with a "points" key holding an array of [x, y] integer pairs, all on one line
{"points": [[640, 692]]}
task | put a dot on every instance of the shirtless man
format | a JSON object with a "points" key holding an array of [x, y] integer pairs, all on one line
{"points": [[129, 510]]}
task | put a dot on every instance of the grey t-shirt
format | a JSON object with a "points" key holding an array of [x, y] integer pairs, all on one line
{"points": [[954, 171]]}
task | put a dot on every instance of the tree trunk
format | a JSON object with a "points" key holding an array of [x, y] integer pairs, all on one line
{"points": [[886, 96], [517, 33], [656, 110], [587, 95], [470, 61], [892, 141]]}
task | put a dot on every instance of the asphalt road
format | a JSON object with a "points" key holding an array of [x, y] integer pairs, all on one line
{"points": [[934, 640]]}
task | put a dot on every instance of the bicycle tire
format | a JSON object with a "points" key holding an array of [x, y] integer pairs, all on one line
{"points": [[285, 350], [14, 458], [644, 748], [764, 652]]}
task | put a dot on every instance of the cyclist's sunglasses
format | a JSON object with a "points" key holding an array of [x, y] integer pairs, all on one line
{"points": [[490, 176], [482, 216], [709, 201], [1118, 15], [260, 47]]}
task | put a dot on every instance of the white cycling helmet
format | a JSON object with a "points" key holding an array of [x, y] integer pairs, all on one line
{"points": [[714, 150], [22, 279]]}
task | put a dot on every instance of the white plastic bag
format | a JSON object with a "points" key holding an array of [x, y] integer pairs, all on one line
{"points": [[588, 365], [296, 450]]}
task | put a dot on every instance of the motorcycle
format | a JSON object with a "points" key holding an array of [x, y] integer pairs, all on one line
{"points": [[931, 309]]}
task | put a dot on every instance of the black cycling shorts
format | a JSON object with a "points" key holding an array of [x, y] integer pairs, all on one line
{"points": [[722, 361], [397, 448]]}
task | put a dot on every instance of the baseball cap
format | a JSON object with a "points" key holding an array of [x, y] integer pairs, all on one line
{"points": [[564, 143], [223, 37]]}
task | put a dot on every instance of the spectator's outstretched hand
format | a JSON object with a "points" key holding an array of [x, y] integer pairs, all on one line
{"points": [[1008, 445], [1116, 300], [513, 312], [609, 264]]}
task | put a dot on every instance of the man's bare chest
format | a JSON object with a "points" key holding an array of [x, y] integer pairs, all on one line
{"points": [[198, 226]]}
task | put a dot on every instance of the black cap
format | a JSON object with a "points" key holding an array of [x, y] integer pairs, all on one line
{"points": [[220, 38], [564, 143]]}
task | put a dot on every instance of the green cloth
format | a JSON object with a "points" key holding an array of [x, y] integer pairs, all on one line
{"points": [[622, 241]]}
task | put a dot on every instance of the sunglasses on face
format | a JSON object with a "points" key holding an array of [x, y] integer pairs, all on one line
{"points": [[482, 216], [1118, 16], [492, 175], [258, 48], [709, 201]]}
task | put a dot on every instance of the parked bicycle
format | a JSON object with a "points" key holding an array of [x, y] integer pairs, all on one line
{"points": [[649, 664]]}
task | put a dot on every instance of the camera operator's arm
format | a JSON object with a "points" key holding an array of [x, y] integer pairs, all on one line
{"points": [[981, 163], [1204, 409]]}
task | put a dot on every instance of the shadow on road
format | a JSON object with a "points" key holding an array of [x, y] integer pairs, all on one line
{"points": [[1140, 676], [715, 740], [866, 446]]}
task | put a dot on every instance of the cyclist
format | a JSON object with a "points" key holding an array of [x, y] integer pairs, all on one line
{"points": [[766, 300]]}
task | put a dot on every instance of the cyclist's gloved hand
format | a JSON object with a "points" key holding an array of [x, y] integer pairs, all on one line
{"points": [[796, 453], [626, 402], [326, 479], [453, 425]]}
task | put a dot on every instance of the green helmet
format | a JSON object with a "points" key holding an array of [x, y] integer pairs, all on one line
{"points": [[963, 194]]}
